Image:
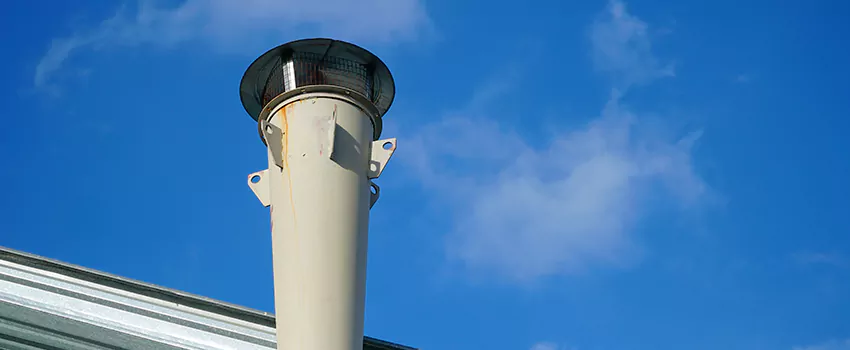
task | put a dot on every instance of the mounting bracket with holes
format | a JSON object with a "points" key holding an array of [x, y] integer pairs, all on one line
{"points": [[274, 139], [375, 192], [259, 184], [382, 151]]}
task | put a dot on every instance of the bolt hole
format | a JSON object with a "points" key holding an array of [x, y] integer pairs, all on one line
{"points": [[374, 189], [387, 145], [255, 179]]}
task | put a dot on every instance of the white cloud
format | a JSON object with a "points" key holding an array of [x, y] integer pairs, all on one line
{"points": [[821, 258], [832, 345], [743, 78], [621, 47], [527, 213], [226, 23], [525, 210], [545, 346]]}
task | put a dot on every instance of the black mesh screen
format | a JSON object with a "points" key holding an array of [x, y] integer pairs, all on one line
{"points": [[315, 69]]}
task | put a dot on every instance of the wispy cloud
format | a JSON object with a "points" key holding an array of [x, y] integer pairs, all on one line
{"points": [[525, 211], [622, 48], [743, 78], [225, 23], [831, 345], [546, 346], [821, 258]]}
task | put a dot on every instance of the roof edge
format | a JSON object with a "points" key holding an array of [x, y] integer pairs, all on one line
{"points": [[159, 292]]}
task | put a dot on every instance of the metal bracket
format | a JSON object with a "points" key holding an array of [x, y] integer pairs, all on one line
{"points": [[259, 183], [375, 191], [326, 132], [382, 151], [274, 139]]}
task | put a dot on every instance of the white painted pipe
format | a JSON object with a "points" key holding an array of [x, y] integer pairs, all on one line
{"points": [[321, 159]]}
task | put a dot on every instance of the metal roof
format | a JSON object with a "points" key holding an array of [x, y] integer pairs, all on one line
{"points": [[47, 304]]}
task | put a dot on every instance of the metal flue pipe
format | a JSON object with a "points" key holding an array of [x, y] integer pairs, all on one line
{"points": [[318, 104]]}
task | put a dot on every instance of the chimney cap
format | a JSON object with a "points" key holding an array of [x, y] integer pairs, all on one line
{"points": [[311, 62]]}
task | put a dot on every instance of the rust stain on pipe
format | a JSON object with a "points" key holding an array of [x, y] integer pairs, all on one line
{"points": [[286, 168]]}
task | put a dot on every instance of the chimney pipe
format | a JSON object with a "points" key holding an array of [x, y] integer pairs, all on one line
{"points": [[318, 104]]}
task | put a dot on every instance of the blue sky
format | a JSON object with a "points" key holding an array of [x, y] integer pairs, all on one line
{"points": [[570, 175]]}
